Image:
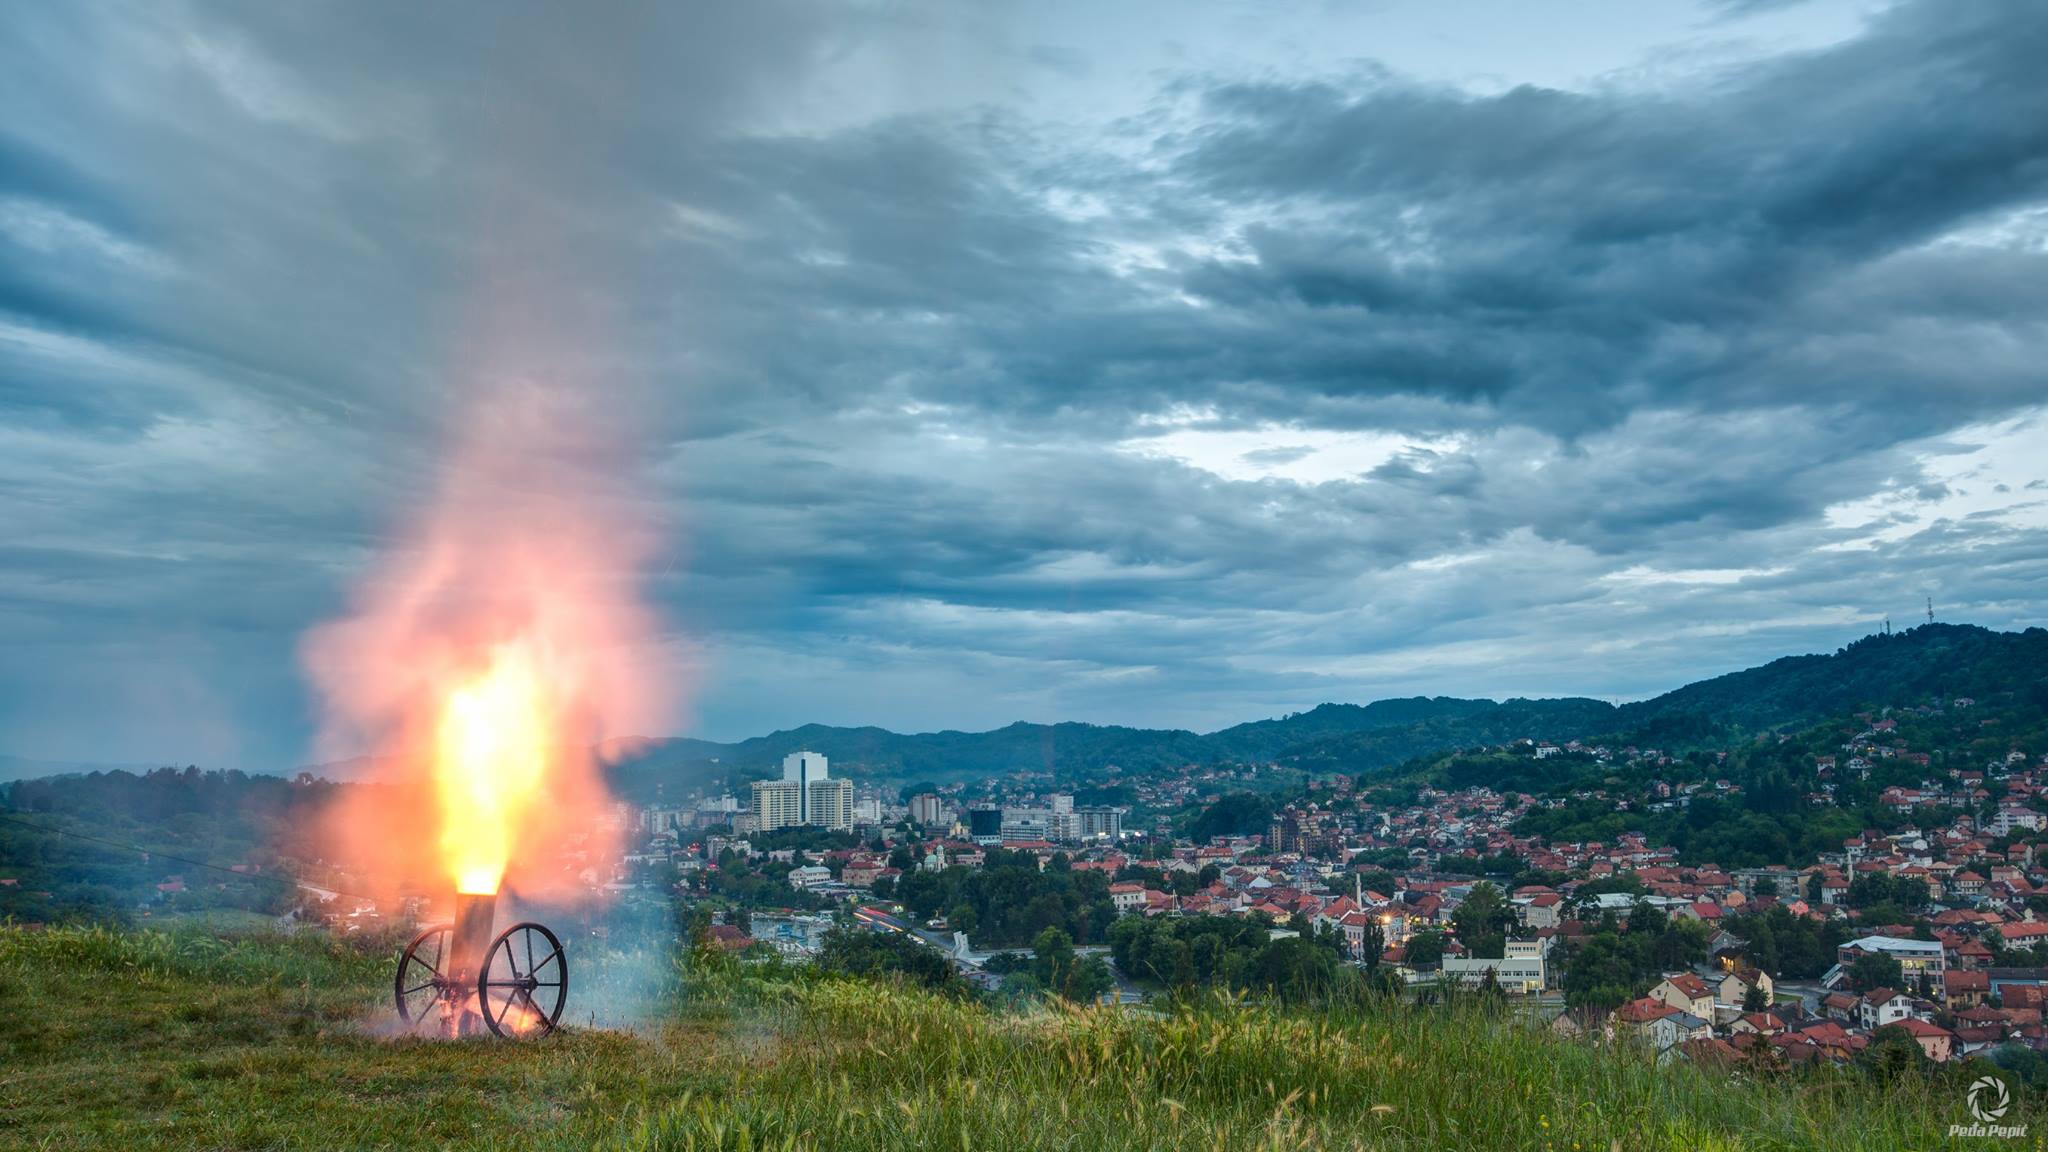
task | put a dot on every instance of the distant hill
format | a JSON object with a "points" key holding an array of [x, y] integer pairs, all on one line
{"points": [[23, 768], [1934, 660], [1910, 667]]}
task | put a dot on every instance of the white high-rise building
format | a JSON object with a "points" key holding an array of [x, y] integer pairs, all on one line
{"points": [[801, 769], [806, 794]]}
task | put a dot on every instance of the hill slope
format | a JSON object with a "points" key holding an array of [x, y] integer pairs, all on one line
{"points": [[157, 1041]]}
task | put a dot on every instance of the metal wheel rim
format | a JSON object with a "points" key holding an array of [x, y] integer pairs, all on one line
{"points": [[530, 972], [417, 974]]}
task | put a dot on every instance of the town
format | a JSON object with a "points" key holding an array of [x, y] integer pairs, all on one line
{"points": [[1923, 935]]}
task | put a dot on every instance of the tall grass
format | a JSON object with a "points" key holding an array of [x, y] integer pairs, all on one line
{"points": [[855, 1066], [111, 1039], [193, 953]]}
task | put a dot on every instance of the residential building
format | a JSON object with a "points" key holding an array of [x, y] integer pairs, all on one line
{"points": [[1917, 958], [831, 804], [1099, 822], [1687, 993], [1937, 1042], [777, 804], [1522, 970], [1882, 1006]]}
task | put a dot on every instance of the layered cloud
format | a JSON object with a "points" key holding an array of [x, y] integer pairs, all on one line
{"points": [[976, 373]]}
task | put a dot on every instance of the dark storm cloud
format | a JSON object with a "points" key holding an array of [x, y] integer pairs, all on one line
{"points": [[956, 396], [1571, 256]]}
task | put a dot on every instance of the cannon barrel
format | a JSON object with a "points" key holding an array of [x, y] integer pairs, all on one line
{"points": [[475, 916]]}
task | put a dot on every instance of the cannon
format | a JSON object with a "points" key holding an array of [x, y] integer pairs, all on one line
{"points": [[459, 976]]}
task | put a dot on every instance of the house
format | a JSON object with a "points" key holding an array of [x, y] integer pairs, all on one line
{"points": [[809, 876], [1833, 1040], [727, 938], [1127, 897], [1542, 910], [2012, 986], [1734, 989], [1658, 1024], [862, 872], [1710, 1052], [2024, 934], [1760, 1023], [1882, 1006], [1936, 1041], [1687, 993], [1842, 1006], [1968, 989]]}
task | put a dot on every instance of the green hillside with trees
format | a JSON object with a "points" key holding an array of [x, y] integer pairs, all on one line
{"points": [[1897, 669]]}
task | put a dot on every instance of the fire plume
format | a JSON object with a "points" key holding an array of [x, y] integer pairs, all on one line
{"points": [[488, 652], [489, 767]]}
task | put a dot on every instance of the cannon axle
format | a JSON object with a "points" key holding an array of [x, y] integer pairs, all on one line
{"points": [[458, 974]]}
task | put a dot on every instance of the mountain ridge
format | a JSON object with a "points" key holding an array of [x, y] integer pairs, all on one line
{"points": [[1883, 669]]}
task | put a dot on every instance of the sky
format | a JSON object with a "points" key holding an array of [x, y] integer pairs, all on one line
{"points": [[1167, 364]]}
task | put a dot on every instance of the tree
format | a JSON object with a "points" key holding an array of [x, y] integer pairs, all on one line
{"points": [[1425, 948], [1293, 968], [1235, 814], [1483, 921], [1876, 970], [1893, 1054], [1605, 970], [852, 952], [1374, 944], [1053, 958]]}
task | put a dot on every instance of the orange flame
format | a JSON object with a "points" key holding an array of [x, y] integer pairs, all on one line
{"points": [[484, 661], [489, 767]]}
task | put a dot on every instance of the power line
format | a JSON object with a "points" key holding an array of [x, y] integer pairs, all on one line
{"points": [[295, 884]]}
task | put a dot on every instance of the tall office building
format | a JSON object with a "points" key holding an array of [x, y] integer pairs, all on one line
{"points": [[1061, 825], [777, 804], [925, 808], [985, 825], [1099, 822], [806, 794], [830, 804], [800, 769]]}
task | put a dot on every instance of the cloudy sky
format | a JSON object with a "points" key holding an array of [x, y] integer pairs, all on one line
{"points": [[1154, 363]]}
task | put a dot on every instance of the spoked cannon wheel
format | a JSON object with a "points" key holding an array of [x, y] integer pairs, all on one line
{"points": [[524, 983], [422, 980]]}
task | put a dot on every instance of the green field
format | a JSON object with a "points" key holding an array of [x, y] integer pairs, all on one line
{"points": [[131, 1040]]}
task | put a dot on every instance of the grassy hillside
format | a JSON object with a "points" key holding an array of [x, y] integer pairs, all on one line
{"points": [[147, 1040]]}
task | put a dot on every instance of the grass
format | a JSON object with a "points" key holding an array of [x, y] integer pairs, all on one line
{"points": [[131, 1040]]}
